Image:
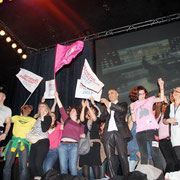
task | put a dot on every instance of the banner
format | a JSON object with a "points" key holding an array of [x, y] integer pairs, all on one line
{"points": [[65, 54], [85, 93], [50, 89], [89, 79], [28, 79]]}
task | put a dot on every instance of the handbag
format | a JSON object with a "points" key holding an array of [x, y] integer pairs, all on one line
{"points": [[32, 138], [84, 145]]}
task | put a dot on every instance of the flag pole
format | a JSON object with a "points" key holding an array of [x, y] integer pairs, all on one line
{"points": [[27, 99]]}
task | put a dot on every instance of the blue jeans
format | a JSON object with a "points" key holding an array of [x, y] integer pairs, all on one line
{"points": [[22, 161], [50, 159], [132, 164], [68, 157]]}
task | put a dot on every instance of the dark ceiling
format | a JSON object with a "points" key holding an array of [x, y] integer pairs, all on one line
{"points": [[42, 23]]}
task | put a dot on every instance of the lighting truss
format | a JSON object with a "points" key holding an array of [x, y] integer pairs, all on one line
{"points": [[124, 29]]}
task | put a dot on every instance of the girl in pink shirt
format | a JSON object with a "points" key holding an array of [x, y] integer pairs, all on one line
{"points": [[146, 124], [54, 135]]}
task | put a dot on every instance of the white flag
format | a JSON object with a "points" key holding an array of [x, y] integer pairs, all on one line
{"points": [[89, 79], [50, 89], [29, 80], [85, 93]]}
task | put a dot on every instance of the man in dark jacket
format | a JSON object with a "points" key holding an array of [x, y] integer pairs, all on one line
{"points": [[116, 132]]}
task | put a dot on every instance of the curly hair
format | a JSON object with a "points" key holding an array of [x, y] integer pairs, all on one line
{"points": [[78, 110], [134, 93]]}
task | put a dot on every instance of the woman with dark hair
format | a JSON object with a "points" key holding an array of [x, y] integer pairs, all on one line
{"points": [[40, 149], [54, 134], [147, 126], [92, 124], [73, 131]]}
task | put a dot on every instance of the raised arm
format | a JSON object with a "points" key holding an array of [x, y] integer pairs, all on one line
{"points": [[54, 106], [94, 104], [92, 114], [61, 108], [106, 103], [161, 86], [58, 100], [82, 110], [43, 99]]}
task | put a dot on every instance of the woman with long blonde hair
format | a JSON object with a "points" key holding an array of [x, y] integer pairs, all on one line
{"points": [[40, 149]]}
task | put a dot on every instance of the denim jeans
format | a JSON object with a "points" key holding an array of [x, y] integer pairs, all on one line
{"points": [[68, 157], [150, 136], [132, 164], [50, 159], [22, 161]]}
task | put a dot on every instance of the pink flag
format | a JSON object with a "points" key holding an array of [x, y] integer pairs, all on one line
{"points": [[65, 54]]}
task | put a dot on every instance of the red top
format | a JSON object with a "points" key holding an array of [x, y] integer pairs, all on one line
{"points": [[72, 129]]}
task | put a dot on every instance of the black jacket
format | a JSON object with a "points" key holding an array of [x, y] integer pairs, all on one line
{"points": [[119, 116]]}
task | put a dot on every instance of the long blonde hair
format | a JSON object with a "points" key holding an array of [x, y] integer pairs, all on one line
{"points": [[47, 108]]}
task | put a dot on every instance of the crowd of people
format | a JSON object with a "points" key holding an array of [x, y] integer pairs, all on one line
{"points": [[148, 132]]}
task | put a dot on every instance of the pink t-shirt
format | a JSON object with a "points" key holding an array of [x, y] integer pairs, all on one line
{"points": [[55, 136], [163, 129], [145, 119]]}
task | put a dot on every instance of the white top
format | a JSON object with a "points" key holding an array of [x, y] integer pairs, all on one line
{"points": [[175, 129], [112, 124], [5, 112]]}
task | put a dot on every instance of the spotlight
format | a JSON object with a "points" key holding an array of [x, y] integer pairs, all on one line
{"points": [[1, 1], [19, 50], [24, 56], [8, 39], [2, 33], [14, 45]]}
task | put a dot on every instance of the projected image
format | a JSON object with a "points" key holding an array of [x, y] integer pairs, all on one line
{"points": [[141, 64]]}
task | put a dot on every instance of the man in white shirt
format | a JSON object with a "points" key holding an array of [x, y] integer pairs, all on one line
{"points": [[116, 132], [5, 117], [172, 117]]}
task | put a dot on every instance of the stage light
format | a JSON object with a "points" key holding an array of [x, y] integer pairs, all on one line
{"points": [[14, 45], [2, 33], [19, 50], [1, 1], [8, 39], [24, 56]]}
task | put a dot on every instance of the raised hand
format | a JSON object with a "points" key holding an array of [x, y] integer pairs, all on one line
{"points": [[92, 100], [87, 104], [161, 83], [83, 103], [105, 101]]}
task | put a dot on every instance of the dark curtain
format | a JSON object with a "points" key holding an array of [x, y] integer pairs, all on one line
{"points": [[42, 64]]}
